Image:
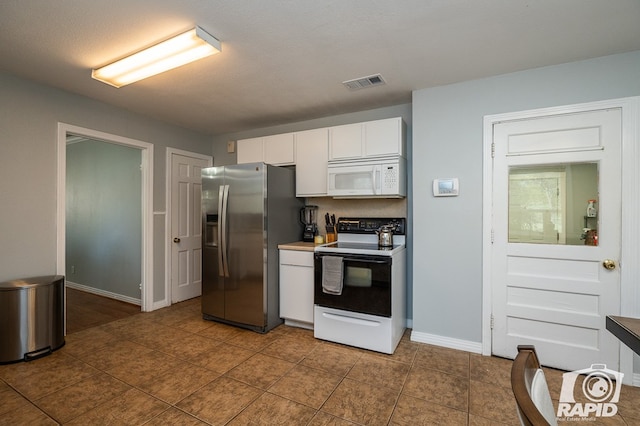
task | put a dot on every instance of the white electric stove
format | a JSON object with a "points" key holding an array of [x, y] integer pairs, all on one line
{"points": [[361, 300]]}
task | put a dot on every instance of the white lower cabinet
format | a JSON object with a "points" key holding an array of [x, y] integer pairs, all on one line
{"points": [[296, 287]]}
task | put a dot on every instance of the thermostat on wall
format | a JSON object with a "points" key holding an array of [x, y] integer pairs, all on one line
{"points": [[445, 187]]}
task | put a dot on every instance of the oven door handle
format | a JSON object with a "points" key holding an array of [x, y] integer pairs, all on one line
{"points": [[351, 320], [355, 259]]}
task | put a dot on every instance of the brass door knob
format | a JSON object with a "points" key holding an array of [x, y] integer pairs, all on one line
{"points": [[609, 264], [176, 240]]}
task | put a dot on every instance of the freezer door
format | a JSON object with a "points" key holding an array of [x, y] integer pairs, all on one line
{"points": [[212, 268], [246, 245]]}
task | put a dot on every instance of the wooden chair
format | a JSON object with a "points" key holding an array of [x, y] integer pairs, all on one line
{"points": [[530, 389]]}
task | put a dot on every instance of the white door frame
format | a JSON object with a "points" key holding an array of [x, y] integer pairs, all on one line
{"points": [[630, 247], [146, 149], [167, 222]]}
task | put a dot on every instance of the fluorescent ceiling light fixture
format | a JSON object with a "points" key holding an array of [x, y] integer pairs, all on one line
{"points": [[172, 53]]}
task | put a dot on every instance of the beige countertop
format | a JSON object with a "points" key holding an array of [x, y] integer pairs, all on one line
{"points": [[298, 245]]}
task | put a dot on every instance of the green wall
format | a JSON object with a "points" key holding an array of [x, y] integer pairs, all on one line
{"points": [[104, 217]]}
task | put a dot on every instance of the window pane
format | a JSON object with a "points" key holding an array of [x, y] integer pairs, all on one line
{"points": [[548, 204]]}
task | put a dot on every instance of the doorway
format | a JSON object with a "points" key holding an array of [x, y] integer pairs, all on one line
{"points": [[553, 270], [144, 197], [103, 218]]}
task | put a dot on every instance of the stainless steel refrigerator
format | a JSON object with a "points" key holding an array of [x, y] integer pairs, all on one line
{"points": [[247, 210]]}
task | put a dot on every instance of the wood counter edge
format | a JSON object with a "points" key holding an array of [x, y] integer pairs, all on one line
{"points": [[626, 329], [298, 245]]}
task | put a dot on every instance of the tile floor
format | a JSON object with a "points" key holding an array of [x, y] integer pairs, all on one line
{"points": [[170, 367]]}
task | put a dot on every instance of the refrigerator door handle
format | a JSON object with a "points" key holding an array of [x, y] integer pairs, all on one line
{"points": [[220, 230], [224, 267]]}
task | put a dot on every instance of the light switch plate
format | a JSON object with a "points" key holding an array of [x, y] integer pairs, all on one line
{"points": [[231, 147]]}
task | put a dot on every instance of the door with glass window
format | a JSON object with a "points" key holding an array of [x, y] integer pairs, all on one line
{"points": [[556, 237]]}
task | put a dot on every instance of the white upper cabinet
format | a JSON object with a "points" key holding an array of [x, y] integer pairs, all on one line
{"points": [[249, 150], [345, 141], [312, 153], [278, 150], [384, 138], [372, 139]]}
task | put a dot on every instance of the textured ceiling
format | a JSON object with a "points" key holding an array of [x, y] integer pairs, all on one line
{"points": [[284, 61]]}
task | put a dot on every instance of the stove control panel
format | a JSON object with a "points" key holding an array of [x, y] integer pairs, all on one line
{"points": [[369, 225]]}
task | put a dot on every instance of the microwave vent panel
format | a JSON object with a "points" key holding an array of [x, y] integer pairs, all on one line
{"points": [[364, 82]]}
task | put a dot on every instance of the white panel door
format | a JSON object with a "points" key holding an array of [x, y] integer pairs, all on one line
{"points": [[186, 227], [555, 272]]}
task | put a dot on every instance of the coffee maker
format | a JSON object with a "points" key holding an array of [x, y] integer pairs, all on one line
{"points": [[309, 218]]}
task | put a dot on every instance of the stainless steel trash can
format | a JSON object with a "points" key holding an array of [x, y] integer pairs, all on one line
{"points": [[31, 317]]}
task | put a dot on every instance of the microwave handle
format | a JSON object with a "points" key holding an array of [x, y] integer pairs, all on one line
{"points": [[375, 178]]}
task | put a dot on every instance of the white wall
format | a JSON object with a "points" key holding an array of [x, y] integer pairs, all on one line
{"points": [[29, 116], [447, 142]]}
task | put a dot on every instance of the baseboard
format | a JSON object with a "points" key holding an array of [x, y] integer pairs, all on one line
{"points": [[447, 342], [159, 305], [104, 293], [299, 324]]}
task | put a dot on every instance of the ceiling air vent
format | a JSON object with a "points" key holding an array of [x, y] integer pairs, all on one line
{"points": [[364, 82]]}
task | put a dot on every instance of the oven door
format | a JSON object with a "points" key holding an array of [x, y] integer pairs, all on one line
{"points": [[366, 284]]}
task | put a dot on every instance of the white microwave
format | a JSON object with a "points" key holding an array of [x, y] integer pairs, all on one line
{"points": [[384, 178]]}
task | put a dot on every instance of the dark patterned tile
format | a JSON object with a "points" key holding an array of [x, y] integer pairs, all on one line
{"points": [[220, 331], [47, 375], [492, 402], [223, 359], [175, 417], [380, 372], [491, 369], [138, 370], [219, 401], [130, 408], [29, 415], [438, 387], [260, 371], [361, 403], [450, 361], [177, 383], [271, 409], [326, 419], [413, 411], [254, 341], [333, 359], [306, 385], [291, 347], [81, 397]]}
